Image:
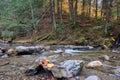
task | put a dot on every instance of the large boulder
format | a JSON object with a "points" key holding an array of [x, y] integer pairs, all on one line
{"points": [[68, 68]]}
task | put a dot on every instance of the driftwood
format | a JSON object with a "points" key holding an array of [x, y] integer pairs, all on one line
{"points": [[5, 63], [43, 37]]}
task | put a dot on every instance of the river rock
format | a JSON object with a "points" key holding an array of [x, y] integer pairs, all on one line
{"points": [[104, 57], [47, 48], [21, 48], [5, 56], [93, 77], [11, 51], [94, 64], [115, 51], [116, 72], [1, 53], [68, 68], [24, 50], [51, 58]]}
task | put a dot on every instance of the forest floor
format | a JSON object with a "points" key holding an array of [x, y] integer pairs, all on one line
{"points": [[85, 32]]}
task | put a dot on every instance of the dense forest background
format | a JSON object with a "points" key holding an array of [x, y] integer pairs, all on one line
{"points": [[93, 22]]}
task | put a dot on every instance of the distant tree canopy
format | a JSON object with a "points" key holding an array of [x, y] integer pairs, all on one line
{"points": [[20, 17]]}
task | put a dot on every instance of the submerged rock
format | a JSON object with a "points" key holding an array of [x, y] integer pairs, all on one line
{"points": [[115, 51], [94, 64], [68, 68], [93, 77], [104, 57]]}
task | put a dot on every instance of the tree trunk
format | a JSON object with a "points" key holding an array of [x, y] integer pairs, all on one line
{"points": [[32, 14], [101, 14], [118, 10], [33, 38], [107, 15], [51, 19], [83, 7], [70, 10], [96, 11], [58, 7], [108, 10], [89, 12], [61, 18], [75, 11], [53, 14]]}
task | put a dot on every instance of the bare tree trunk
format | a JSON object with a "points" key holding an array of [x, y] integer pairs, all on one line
{"points": [[102, 10], [89, 12], [70, 10], [108, 10], [32, 14], [61, 18], [33, 38], [118, 10], [96, 11], [53, 13], [75, 11], [83, 7], [51, 19], [58, 7], [107, 15]]}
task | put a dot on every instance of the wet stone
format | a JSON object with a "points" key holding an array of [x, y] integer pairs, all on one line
{"points": [[5, 56], [104, 57], [94, 64], [93, 77], [116, 72], [68, 68]]}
